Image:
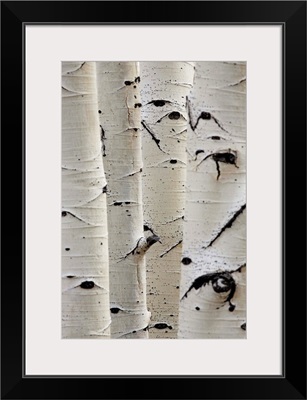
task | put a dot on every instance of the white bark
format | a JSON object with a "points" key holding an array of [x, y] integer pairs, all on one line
{"points": [[164, 87], [85, 278], [120, 123], [213, 301]]}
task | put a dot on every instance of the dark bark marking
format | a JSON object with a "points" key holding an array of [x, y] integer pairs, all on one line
{"points": [[222, 282], [218, 170], [243, 326], [227, 225], [159, 103], [173, 220], [152, 240], [219, 124], [102, 138], [186, 261], [115, 310], [227, 157], [147, 228], [237, 83], [171, 248], [157, 141], [203, 115], [198, 152], [174, 115], [87, 285], [64, 213], [136, 172], [137, 105], [70, 72], [160, 325], [73, 215], [104, 189]]}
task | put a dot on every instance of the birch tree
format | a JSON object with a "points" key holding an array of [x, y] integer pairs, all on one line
{"points": [[85, 275], [213, 265], [164, 88], [120, 122], [153, 155]]}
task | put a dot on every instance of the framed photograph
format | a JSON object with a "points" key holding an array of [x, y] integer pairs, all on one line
{"points": [[175, 129]]}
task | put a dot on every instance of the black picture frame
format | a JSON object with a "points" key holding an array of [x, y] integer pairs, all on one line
{"points": [[292, 383]]}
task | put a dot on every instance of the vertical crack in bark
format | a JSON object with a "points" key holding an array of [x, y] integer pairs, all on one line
{"points": [[102, 138], [227, 225]]}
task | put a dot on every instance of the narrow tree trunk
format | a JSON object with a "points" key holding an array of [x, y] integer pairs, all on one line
{"points": [[164, 87], [119, 113], [212, 296], [85, 275]]}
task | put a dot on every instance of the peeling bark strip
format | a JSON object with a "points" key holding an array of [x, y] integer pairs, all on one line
{"points": [[164, 87], [215, 199], [120, 104], [85, 281]]}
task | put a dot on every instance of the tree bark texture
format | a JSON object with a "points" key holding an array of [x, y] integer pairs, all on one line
{"points": [[164, 87], [154, 200], [120, 123], [85, 258], [212, 295]]}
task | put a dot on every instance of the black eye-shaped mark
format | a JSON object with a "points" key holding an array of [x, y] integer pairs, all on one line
{"points": [[222, 282]]}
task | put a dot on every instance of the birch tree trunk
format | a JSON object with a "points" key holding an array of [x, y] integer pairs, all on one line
{"points": [[164, 87], [212, 295], [85, 274], [120, 122]]}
